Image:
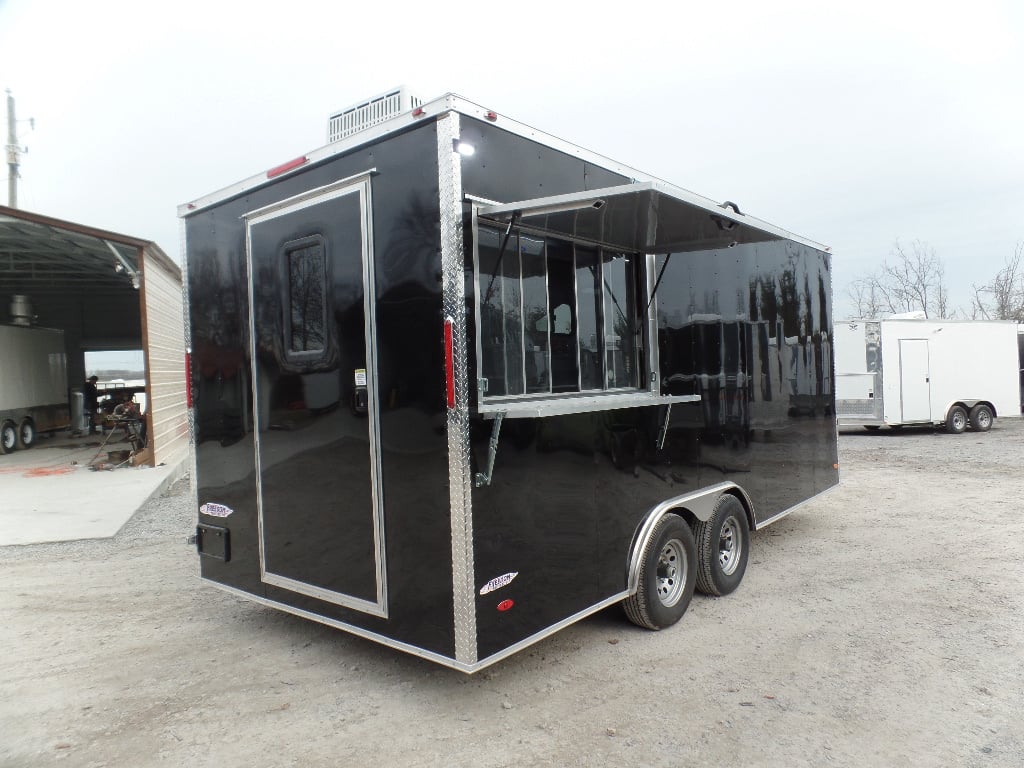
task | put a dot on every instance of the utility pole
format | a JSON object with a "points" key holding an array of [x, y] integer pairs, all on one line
{"points": [[13, 150]]}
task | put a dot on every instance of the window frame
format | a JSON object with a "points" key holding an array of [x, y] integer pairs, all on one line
{"points": [[534, 405], [287, 249]]}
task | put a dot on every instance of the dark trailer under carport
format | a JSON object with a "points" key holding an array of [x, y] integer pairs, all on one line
{"points": [[454, 403]]}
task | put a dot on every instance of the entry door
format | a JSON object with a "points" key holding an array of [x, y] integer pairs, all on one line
{"points": [[317, 451], [915, 389]]}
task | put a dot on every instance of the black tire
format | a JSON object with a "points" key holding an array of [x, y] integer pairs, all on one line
{"points": [[26, 433], [956, 420], [723, 546], [8, 437], [981, 418], [668, 575]]}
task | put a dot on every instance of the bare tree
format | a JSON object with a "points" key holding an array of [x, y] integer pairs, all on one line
{"points": [[1003, 297], [865, 294], [915, 280], [909, 280]]}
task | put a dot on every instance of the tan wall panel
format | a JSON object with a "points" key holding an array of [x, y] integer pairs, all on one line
{"points": [[164, 339]]}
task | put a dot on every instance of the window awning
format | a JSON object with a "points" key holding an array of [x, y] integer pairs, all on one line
{"points": [[647, 217]]}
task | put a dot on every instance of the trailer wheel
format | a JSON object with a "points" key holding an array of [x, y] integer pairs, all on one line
{"points": [[26, 433], [723, 545], [8, 437], [668, 575], [956, 420], [981, 418]]}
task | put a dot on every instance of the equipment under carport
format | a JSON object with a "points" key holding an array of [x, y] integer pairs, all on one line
{"points": [[33, 385]]}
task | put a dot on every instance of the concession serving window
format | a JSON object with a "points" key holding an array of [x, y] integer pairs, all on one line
{"points": [[566, 292]]}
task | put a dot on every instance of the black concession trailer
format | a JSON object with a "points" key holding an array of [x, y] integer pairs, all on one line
{"points": [[454, 402]]}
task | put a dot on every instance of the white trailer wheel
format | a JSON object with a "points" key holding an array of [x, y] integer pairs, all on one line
{"points": [[8, 437], [26, 433], [981, 418], [956, 420]]}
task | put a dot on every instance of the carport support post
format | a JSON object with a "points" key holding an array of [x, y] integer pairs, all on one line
{"points": [[12, 153]]}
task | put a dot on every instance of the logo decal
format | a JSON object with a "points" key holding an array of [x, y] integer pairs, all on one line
{"points": [[498, 583], [215, 510]]}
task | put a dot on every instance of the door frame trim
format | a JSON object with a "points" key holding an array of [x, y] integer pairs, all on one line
{"points": [[903, 381], [360, 185]]}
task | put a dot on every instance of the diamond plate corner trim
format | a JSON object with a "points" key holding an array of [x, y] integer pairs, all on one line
{"points": [[460, 477], [186, 311]]}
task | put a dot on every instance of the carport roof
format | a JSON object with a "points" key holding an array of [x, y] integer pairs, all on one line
{"points": [[43, 255]]}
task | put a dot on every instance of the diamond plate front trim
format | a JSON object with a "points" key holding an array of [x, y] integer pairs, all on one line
{"points": [[186, 307], [460, 476]]}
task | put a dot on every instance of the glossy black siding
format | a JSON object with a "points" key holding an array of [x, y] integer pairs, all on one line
{"points": [[406, 244], [746, 328]]}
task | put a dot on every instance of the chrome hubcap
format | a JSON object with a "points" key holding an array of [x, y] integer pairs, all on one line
{"points": [[672, 569]]}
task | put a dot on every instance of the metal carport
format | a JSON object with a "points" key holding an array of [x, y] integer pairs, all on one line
{"points": [[106, 291]]}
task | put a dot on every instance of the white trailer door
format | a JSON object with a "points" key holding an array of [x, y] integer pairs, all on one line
{"points": [[915, 387]]}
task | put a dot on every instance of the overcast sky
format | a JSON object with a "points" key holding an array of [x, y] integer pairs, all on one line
{"points": [[851, 124]]}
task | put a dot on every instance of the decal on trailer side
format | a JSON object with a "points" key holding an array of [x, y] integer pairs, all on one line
{"points": [[215, 510], [498, 582]]}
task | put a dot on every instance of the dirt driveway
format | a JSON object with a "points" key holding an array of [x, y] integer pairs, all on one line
{"points": [[879, 625]]}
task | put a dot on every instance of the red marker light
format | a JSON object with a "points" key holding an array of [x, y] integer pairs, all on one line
{"points": [[492, 116], [449, 360], [418, 112], [506, 605], [188, 379], [285, 167]]}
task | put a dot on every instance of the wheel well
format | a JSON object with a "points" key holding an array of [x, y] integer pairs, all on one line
{"points": [[691, 519], [963, 404], [745, 503], [687, 514], [954, 404]]}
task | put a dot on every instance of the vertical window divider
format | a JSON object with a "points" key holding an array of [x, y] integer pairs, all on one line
{"points": [[576, 320], [522, 311], [549, 317], [603, 321]]}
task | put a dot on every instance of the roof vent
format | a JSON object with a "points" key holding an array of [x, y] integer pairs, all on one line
{"points": [[370, 112]]}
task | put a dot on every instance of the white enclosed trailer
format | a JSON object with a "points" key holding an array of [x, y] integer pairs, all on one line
{"points": [[33, 384], [949, 373]]}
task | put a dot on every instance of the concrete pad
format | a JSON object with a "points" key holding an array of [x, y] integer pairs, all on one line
{"points": [[49, 492]]}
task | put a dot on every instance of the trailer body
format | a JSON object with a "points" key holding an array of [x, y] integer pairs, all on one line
{"points": [[905, 372], [453, 404], [33, 384]]}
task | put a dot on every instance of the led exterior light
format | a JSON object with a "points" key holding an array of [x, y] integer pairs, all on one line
{"points": [[464, 149]]}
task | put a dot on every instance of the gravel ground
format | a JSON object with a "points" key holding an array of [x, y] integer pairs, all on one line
{"points": [[881, 624]]}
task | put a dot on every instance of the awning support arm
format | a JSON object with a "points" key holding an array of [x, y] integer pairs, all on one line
{"points": [[661, 274], [484, 478], [501, 254]]}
